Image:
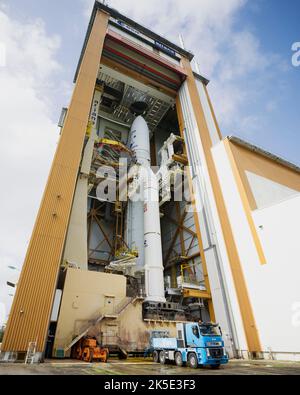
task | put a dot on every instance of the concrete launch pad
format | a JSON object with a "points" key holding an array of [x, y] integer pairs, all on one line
{"points": [[147, 367]]}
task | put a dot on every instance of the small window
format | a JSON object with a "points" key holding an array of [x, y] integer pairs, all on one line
{"points": [[196, 331]]}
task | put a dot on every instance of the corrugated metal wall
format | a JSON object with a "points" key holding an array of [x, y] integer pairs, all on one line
{"points": [[32, 305]]}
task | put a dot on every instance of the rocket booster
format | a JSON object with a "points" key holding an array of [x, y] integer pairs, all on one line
{"points": [[145, 215]]}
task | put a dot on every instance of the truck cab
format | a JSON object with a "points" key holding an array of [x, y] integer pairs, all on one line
{"points": [[197, 344]]}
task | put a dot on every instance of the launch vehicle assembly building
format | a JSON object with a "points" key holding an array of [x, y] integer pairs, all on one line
{"points": [[121, 263]]}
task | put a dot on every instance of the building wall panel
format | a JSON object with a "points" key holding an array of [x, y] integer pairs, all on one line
{"points": [[278, 229], [253, 162], [84, 301]]}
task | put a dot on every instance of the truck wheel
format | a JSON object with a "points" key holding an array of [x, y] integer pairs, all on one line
{"points": [[155, 357], [193, 361], [178, 359], [162, 357]]}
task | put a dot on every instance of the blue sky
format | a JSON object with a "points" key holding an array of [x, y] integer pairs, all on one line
{"points": [[243, 47], [276, 24]]}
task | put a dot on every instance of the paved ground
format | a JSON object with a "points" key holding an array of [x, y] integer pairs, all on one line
{"points": [[146, 367]]}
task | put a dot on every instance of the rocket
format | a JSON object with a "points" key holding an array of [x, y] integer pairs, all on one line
{"points": [[144, 214]]}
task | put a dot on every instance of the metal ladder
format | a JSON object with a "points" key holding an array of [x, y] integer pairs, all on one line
{"points": [[31, 353], [83, 333]]}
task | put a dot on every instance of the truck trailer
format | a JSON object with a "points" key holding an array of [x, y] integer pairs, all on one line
{"points": [[196, 344]]}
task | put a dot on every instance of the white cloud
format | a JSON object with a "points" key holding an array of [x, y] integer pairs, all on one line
{"points": [[28, 136], [205, 24], [244, 56]]}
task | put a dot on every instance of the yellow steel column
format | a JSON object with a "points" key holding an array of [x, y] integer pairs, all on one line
{"points": [[196, 219], [30, 314], [246, 204], [251, 332]]}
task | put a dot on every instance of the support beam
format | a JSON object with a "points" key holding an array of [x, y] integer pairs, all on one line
{"points": [[175, 238], [194, 293], [180, 226], [104, 233], [247, 314], [196, 219], [190, 246], [182, 244], [137, 76], [246, 204]]}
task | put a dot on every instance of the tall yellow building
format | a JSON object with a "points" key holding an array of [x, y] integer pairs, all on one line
{"points": [[227, 252]]}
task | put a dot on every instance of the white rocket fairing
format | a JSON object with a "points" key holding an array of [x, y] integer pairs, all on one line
{"points": [[154, 270], [140, 145], [144, 215]]}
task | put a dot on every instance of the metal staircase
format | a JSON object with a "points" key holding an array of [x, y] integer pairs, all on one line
{"points": [[83, 333], [120, 308], [123, 306]]}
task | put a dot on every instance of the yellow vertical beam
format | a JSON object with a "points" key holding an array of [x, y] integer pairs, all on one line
{"points": [[30, 313], [196, 219], [246, 204], [213, 113], [251, 331]]}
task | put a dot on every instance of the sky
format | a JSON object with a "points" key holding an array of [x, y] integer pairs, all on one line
{"points": [[244, 47]]}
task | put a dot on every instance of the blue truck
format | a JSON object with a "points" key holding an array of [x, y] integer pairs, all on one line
{"points": [[196, 344]]}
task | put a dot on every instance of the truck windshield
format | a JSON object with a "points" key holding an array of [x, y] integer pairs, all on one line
{"points": [[210, 330]]}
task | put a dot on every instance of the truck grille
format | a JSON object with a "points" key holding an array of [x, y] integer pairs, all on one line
{"points": [[216, 352]]}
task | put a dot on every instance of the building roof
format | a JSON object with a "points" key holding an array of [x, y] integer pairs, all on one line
{"points": [[201, 78], [261, 151], [115, 14]]}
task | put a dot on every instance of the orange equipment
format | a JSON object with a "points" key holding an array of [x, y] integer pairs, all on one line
{"points": [[88, 350]]}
